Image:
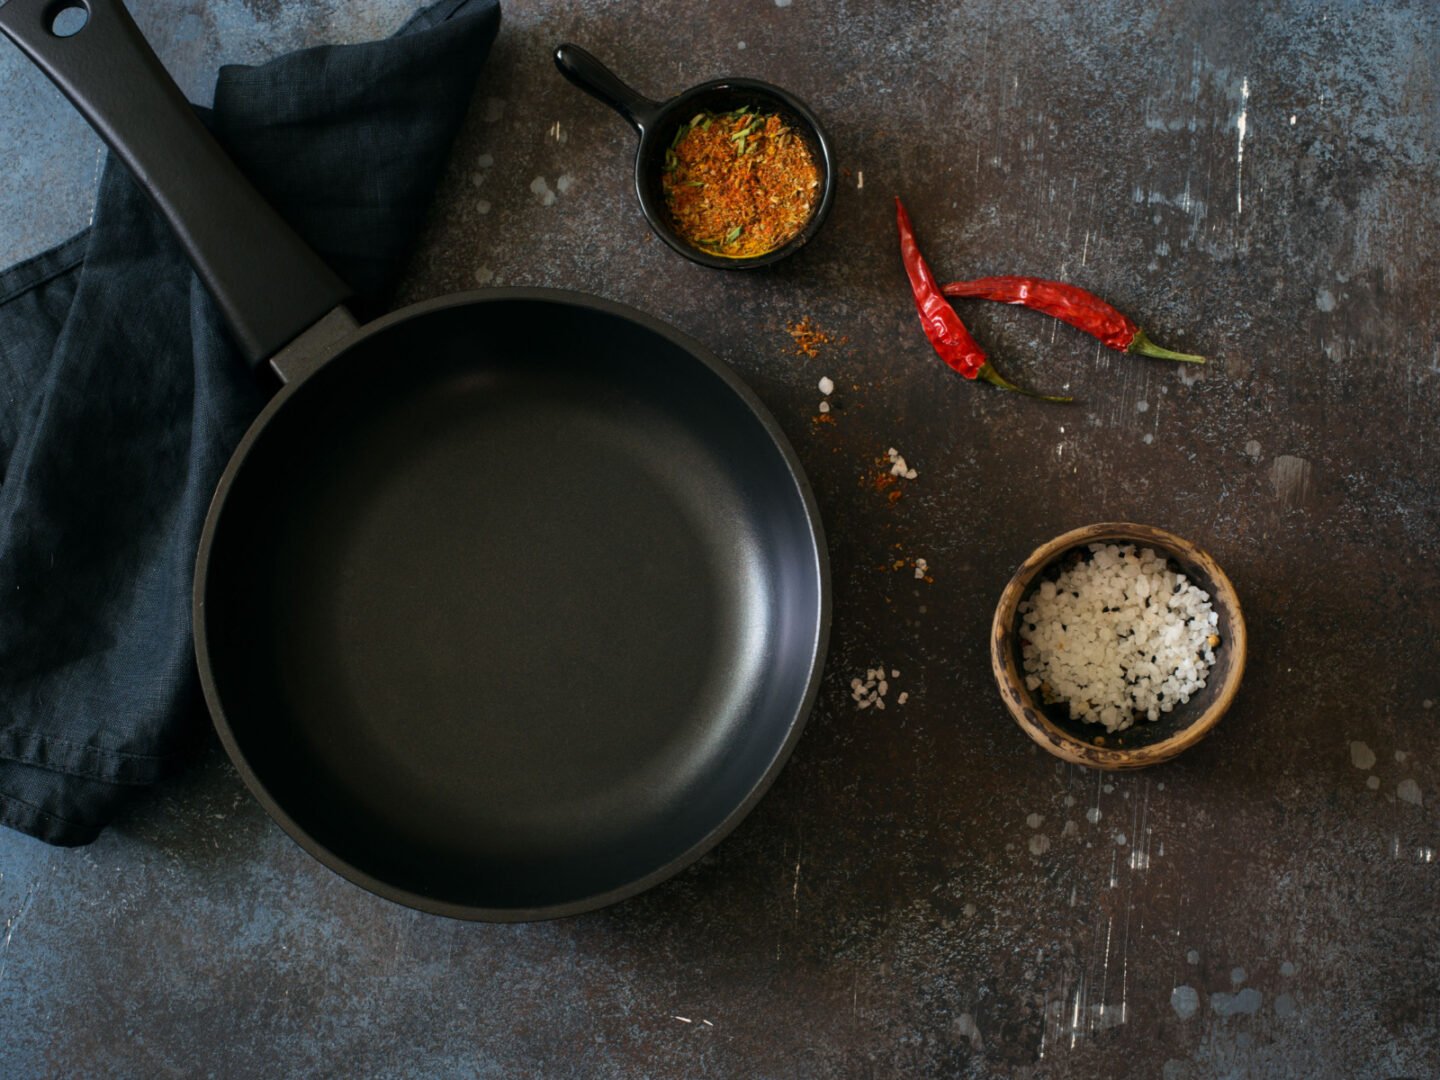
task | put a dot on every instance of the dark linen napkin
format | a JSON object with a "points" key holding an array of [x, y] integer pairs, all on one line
{"points": [[121, 398]]}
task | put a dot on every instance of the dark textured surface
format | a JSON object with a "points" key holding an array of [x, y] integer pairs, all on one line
{"points": [[923, 892]]}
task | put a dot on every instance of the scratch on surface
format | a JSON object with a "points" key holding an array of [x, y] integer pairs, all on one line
{"points": [[1240, 125], [1140, 829], [1105, 968], [1075, 1012], [795, 888], [10, 925]]}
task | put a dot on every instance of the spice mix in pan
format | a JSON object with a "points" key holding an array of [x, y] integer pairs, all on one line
{"points": [[739, 183]]}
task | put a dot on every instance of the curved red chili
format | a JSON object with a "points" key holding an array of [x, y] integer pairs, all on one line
{"points": [[942, 325], [1070, 304], [947, 334]]}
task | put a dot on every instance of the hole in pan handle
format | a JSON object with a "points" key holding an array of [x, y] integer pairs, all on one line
{"points": [[67, 17], [268, 283]]}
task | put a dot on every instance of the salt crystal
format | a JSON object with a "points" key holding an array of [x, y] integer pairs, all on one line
{"points": [[827, 387], [1117, 637], [824, 406]]}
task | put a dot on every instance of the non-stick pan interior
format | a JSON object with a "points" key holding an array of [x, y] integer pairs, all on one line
{"points": [[512, 606]]}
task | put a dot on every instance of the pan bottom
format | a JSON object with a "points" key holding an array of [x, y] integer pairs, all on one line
{"points": [[531, 616]]}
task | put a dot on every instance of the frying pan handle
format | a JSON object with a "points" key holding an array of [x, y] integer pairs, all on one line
{"points": [[268, 283], [600, 82]]}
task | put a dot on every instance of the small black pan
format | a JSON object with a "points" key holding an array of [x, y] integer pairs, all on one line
{"points": [[510, 604], [657, 122]]}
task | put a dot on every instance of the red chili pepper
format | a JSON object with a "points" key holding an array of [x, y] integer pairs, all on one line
{"points": [[952, 342], [1070, 304]]}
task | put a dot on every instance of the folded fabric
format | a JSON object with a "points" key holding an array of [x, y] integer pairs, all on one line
{"points": [[121, 398]]}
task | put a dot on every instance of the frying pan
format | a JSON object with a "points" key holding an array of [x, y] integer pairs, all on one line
{"points": [[511, 603]]}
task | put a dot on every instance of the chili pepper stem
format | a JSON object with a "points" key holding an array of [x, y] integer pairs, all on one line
{"points": [[994, 378], [1142, 345]]}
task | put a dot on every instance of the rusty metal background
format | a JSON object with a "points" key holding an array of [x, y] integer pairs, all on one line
{"points": [[923, 892]]}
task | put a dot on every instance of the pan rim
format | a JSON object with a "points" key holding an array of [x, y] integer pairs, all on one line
{"points": [[407, 897]]}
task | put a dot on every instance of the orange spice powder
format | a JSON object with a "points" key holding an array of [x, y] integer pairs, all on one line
{"points": [[807, 337], [739, 184]]}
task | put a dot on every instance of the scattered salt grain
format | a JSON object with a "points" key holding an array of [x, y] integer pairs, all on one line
{"points": [[898, 466], [870, 691], [827, 387], [921, 569], [824, 406], [1118, 636]]}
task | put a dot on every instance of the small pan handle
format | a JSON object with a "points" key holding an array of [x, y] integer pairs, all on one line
{"points": [[268, 283], [600, 82]]}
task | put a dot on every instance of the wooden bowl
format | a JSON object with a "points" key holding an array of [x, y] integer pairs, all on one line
{"points": [[1145, 742]]}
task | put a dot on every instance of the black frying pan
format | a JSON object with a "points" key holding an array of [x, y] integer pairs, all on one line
{"points": [[510, 604]]}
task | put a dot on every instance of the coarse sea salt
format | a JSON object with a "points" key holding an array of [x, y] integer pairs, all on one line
{"points": [[1118, 636], [898, 466], [870, 691]]}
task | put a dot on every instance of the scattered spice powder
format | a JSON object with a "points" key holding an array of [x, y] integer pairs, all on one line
{"points": [[808, 337], [884, 483], [739, 184]]}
